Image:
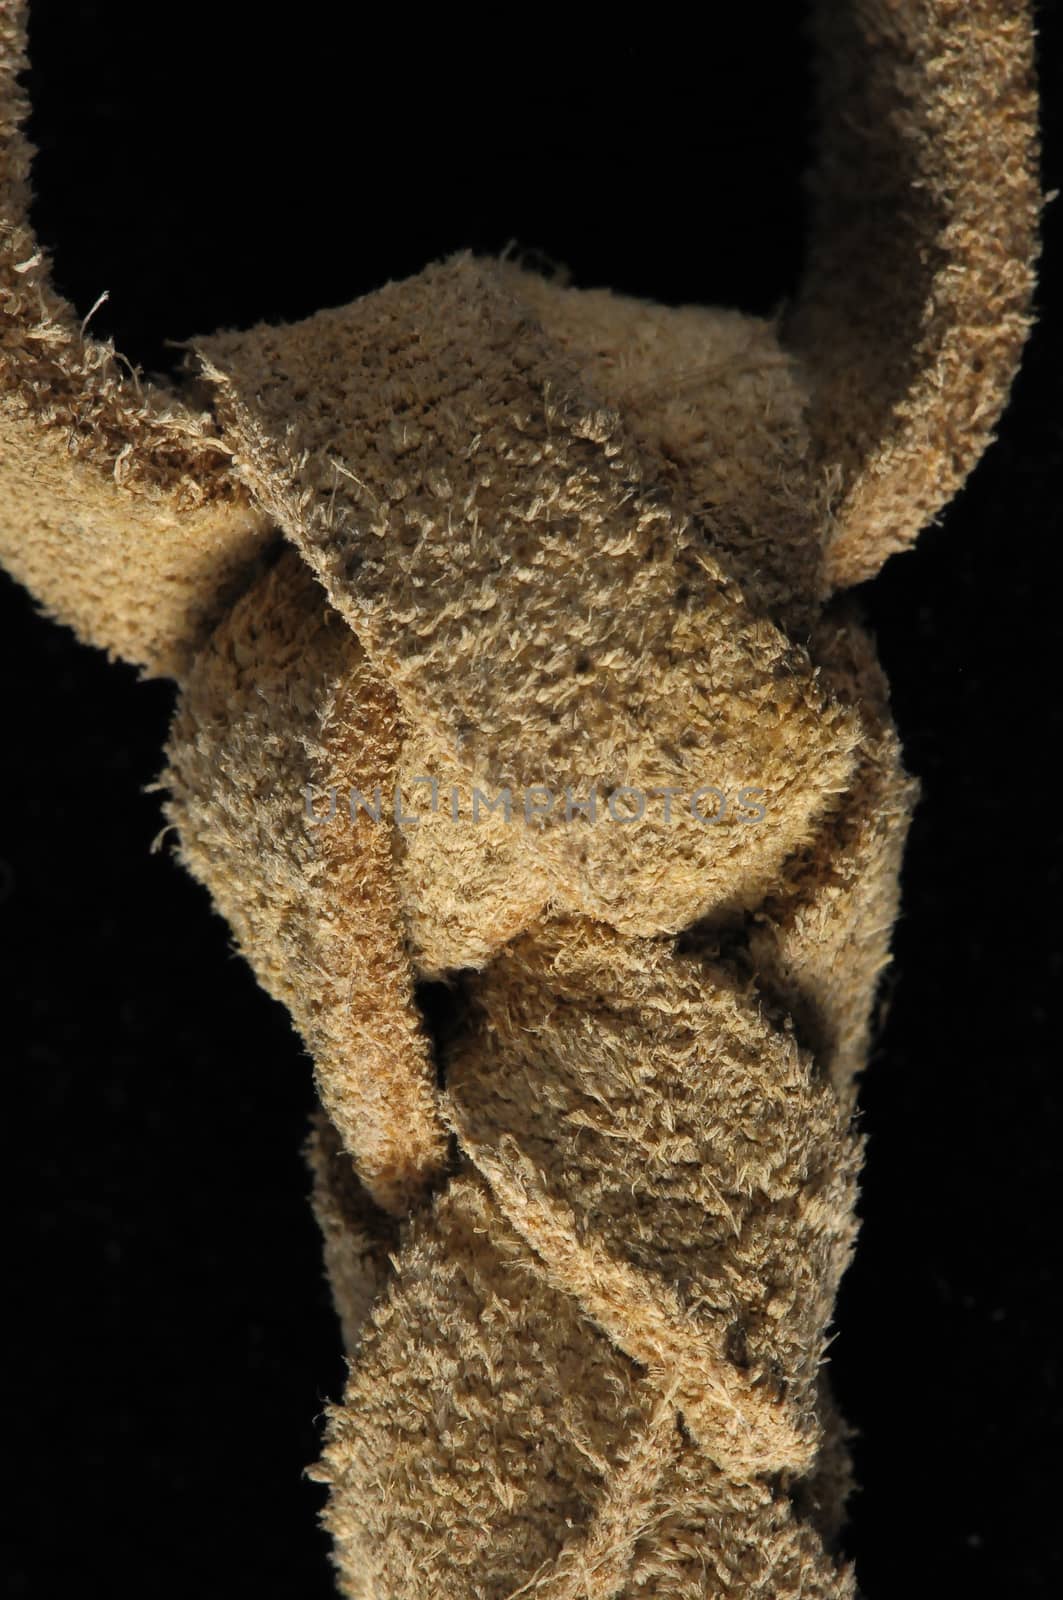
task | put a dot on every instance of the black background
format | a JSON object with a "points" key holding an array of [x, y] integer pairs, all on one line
{"points": [[174, 1341]]}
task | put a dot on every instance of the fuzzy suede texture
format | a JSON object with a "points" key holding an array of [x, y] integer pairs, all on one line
{"points": [[480, 534]]}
